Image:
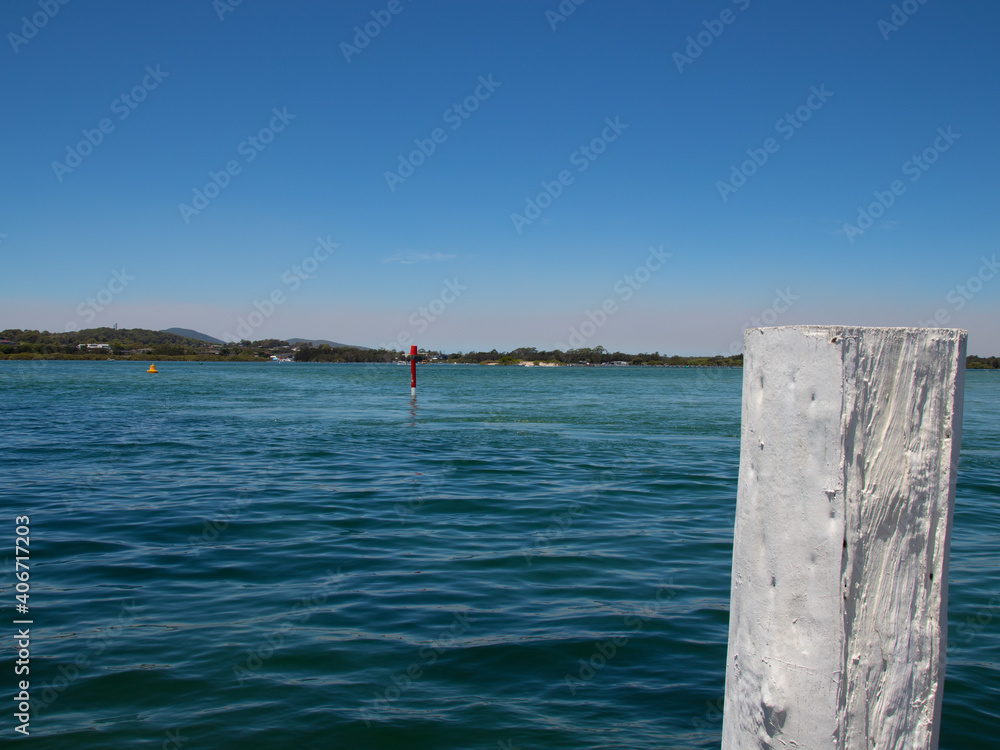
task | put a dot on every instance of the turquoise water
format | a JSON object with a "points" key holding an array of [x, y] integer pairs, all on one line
{"points": [[298, 555]]}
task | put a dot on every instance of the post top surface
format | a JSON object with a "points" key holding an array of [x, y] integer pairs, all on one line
{"points": [[860, 330]]}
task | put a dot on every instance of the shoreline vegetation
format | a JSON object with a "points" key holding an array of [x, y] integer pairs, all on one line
{"points": [[142, 345]]}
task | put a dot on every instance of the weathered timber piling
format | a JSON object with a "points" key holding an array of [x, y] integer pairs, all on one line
{"points": [[848, 460]]}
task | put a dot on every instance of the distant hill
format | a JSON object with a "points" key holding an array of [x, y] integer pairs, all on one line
{"points": [[189, 334], [320, 342], [130, 337]]}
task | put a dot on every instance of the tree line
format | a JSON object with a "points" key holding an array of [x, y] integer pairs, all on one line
{"points": [[128, 343], [973, 362], [585, 356], [125, 343]]}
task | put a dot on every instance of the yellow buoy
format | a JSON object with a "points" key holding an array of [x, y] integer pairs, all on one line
{"points": [[152, 368]]}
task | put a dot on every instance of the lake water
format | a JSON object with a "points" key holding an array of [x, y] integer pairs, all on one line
{"points": [[299, 555]]}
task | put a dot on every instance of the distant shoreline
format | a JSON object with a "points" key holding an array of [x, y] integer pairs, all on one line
{"points": [[143, 345], [216, 360], [553, 366]]}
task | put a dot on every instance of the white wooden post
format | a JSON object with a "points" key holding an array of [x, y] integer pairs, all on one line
{"points": [[848, 460]]}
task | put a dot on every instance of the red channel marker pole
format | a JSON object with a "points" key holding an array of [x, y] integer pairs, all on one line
{"points": [[413, 370]]}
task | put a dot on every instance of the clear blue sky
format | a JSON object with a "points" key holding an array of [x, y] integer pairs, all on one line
{"points": [[197, 87]]}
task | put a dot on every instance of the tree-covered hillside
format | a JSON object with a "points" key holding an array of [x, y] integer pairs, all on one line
{"points": [[135, 343]]}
